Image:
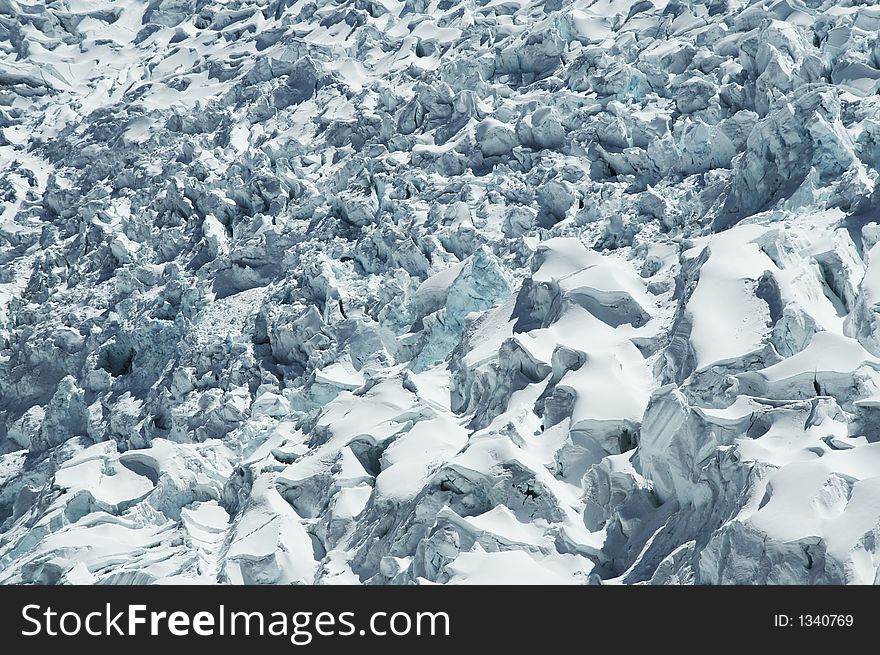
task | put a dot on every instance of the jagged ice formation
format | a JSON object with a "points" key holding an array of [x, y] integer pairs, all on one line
{"points": [[404, 291]]}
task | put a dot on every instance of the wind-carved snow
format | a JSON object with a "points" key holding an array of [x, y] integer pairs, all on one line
{"points": [[422, 291]]}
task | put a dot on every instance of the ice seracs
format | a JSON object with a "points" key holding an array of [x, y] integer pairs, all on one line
{"points": [[404, 292]]}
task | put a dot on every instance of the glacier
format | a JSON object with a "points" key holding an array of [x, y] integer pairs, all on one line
{"points": [[434, 291]]}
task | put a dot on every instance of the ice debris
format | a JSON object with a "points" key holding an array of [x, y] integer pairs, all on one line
{"points": [[410, 291]]}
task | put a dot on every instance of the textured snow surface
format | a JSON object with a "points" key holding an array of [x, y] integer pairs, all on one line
{"points": [[426, 291]]}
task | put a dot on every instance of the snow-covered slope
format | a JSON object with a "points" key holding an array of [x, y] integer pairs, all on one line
{"points": [[415, 291]]}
